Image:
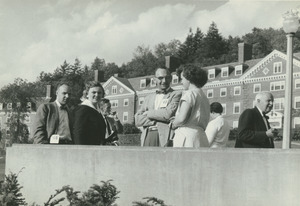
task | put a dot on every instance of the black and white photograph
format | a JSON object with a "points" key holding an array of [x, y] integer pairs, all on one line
{"points": [[149, 103]]}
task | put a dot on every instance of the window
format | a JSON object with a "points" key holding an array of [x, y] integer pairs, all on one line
{"points": [[236, 107], [239, 70], [125, 116], [297, 103], [152, 82], [114, 103], [224, 109], [297, 84], [276, 86], [1, 106], [210, 93], [223, 92], [277, 67], [224, 72], [235, 124], [297, 122], [278, 104], [143, 83], [9, 106], [237, 90], [175, 79], [114, 89], [141, 100], [211, 74], [256, 88], [126, 102]]}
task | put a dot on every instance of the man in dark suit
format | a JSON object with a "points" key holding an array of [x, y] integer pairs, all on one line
{"points": [[254, 130], [113, 124], [53, 120], [157, 110]]}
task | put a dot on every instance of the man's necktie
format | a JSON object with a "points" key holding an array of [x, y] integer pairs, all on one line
{"points": [[108, 126], [63, 106], [267, 120]]}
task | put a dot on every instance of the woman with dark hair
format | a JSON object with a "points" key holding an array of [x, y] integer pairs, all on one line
{"points": [[217, 130], [192, 115], [89, 126]]}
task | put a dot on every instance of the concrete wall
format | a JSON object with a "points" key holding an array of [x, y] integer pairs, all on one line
{"points": [[180, 177]]}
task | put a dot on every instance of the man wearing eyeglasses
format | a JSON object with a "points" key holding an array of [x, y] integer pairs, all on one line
{"points": [[157, 110]]}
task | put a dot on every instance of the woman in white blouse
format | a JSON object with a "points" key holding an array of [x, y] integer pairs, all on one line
{"points": [[193, 111]]}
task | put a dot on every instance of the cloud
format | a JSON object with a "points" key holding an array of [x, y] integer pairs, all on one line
{"points": [[51, 33]]}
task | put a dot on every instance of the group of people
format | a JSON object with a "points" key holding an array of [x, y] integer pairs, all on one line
{"points": [[91, 123], [185, 118], [188, 120]]}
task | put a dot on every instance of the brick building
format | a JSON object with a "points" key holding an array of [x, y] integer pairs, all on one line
{"points": [[234, 85]]}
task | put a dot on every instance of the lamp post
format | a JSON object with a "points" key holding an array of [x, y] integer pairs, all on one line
{"points": [[290, 27]]}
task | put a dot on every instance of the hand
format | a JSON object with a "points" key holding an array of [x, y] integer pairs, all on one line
{"points": [[272, 133], [145, 113]]}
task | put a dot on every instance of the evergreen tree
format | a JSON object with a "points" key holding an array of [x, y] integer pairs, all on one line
{"points": [[214, 44]]}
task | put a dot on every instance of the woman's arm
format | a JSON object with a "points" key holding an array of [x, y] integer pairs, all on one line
{"points": [[183, 114]]}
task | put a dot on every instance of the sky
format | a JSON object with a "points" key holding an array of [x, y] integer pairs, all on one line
{"points": [[39, 35]]}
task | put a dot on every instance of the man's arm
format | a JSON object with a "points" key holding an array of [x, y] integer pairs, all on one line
{"points": [[211, 131], [165, 114], [247, 129], [40, 135], [141, 119], [79, 127]]}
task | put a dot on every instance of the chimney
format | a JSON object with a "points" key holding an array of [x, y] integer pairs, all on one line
{"points": [[172, 63], [116, 75], [245, 52], [48, 92], [99, 75]]}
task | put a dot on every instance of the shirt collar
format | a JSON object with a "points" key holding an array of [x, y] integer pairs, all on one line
{"points": [[87, 102], [163, 92], [261, 113]]}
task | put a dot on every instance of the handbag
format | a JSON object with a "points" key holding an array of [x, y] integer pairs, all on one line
{"points": [[170, 138]]}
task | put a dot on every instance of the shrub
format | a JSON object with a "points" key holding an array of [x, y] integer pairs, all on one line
{"points": [[130, 129], [151, 201], [10, 191]]}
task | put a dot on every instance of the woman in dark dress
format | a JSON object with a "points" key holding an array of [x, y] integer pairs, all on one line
{"points": [[89, 126]]}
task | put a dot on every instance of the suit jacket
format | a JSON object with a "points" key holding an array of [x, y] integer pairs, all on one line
{"points": [[252, 131], [160, 117], [46, 122], [89, 126], [115, 126]]}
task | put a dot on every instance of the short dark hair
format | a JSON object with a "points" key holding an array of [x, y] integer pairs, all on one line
{"points": [[61, 84], [92, 84], [195, 74], [104, 101], [216, 107]]}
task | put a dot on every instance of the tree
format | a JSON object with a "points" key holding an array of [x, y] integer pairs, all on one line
{"points": [[260, 42], [214, 45], [98, 64], [170, 49], [143, 63], [18, 95]]}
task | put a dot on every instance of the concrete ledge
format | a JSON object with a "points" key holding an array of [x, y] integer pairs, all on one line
{"points": [[180, 177]]}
